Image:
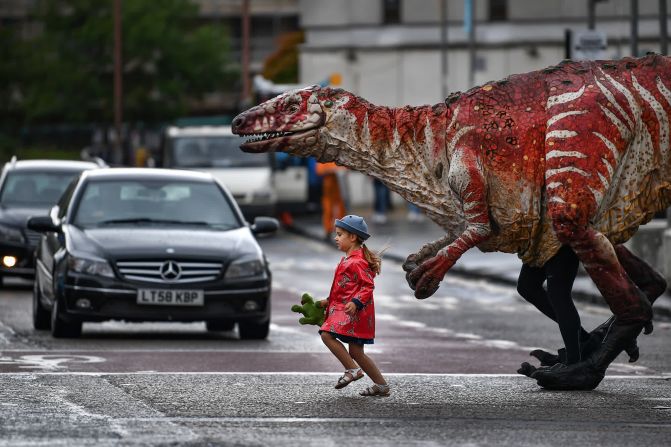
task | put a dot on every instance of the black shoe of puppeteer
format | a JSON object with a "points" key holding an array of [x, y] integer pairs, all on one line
{"points": [[588, 374]]}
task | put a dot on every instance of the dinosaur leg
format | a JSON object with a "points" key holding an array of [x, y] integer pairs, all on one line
{"points": [[468, 181], [648, 280], [651, 283], [631, 308]]}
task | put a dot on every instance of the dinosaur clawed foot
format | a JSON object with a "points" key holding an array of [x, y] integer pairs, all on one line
{"points": [[587, 374], [579, 376], [425, 278], [546, 358]]}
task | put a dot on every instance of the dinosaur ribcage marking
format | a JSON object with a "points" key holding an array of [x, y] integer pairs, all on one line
{"points": [[601, 155]]}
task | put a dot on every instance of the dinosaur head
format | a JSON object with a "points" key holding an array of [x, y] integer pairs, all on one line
{"points": [[295, 122]]}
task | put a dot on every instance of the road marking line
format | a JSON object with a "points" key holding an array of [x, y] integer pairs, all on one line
{"points": [[294, 373]]}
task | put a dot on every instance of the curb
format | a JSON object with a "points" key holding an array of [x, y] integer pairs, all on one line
{"points": [[661, 313]]}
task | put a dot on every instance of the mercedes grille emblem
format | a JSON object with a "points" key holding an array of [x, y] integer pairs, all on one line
{"points": [[171, 271]]}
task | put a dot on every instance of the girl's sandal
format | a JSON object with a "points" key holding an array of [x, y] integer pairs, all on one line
{"points": [[376, 390], [351, 375]]}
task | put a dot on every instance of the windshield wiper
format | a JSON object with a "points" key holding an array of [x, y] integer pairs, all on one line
{"points": [[159, 221]]}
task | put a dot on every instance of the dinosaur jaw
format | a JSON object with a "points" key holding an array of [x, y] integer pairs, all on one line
{"points": [[291, 142]]}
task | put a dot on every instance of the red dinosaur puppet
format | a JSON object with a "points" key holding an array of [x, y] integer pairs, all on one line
{"points": [[575, 154]]}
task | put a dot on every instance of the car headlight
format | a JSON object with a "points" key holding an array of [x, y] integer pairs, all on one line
{"points": [[244, 268], [11, 234], [98, 267]]}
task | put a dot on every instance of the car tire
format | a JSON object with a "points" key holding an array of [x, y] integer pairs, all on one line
{"points": [[251, 330], [61, 328], [220, 325], [41, 316]]}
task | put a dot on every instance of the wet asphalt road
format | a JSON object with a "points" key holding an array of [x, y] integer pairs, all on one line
{"points": [[450, 360]]}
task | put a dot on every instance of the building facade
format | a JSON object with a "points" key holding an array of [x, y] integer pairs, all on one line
{"points": [[391, 51]]}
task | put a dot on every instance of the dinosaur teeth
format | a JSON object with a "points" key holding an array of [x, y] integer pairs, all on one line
{"points": [[266, 136]]}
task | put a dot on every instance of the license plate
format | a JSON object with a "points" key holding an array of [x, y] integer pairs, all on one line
{"points": [[165, 297]]}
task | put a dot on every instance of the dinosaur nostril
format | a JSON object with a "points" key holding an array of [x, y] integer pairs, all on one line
{"points": [[238, 121]]}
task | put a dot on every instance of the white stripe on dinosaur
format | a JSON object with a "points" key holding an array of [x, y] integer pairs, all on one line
{"points": [[428, 138], [471, 216], [365, 131], [664, 90], [560, 134], [557, 154], [633, 105], [598, 197], [609, 168], [454, 119], [611, 99], [559, 116], [455, 139], [564, 98], [552, 172], [469, 205], [557, 199], [662, 119], [610, 145], [397, 139], [624, 130], [604, 181], [553, 185]]}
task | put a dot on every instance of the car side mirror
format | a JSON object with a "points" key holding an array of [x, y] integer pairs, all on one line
{"points": [[264, 225], [42, 224]]}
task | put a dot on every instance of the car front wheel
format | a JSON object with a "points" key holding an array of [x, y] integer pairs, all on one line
{"points": [[41, 317], [250, 330], [60, 328]]}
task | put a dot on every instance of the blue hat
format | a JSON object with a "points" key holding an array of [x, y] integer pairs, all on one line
{"points": [[354, 224]]}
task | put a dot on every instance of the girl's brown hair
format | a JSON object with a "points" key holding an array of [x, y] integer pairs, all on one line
{"points": [[374, 259]]}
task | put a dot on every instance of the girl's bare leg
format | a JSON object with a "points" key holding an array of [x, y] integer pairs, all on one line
{"points": [[339, 351], [366, 363]]}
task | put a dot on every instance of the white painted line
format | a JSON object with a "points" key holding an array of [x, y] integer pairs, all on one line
{"points": [[295, 373]]}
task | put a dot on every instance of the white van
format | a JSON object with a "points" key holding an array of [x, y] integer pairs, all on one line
{"points": [[256, 185]]}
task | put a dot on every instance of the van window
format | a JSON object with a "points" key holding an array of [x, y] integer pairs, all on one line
{"points": [[213, 152]]}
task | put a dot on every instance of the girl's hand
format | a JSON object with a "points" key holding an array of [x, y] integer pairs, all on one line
{"points": [[322, 303], [350, 308]]}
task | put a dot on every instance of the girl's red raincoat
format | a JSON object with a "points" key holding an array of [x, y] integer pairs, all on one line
{"points": [[353, 282]]}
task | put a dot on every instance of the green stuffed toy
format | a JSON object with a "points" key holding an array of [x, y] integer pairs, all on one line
{"points": [[312, 313]]}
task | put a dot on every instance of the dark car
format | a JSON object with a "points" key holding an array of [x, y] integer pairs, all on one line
{"points": [[150, 245], [28, 188]]}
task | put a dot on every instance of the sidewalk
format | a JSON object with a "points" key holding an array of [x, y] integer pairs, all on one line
{"points": [[404, 237]]}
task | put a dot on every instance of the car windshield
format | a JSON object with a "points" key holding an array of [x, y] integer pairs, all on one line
{"points": [[213, 152], [34, 188], [154, 202]]}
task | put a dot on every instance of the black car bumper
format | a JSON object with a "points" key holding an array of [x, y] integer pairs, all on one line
{"points": [[113, 300], [25, 260]]}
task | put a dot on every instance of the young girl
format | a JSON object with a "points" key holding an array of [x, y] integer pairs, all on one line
{"points": [[350, 313]]}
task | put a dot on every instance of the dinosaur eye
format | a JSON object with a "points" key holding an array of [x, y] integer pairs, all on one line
{"points": [[293, 108], [328, 103]]}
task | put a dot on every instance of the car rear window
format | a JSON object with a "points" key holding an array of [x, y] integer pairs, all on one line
{"points": [[31, 188], [154, 202], [213, 152]]}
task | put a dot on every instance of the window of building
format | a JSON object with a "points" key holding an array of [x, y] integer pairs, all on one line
{"points": [[391, 11], [498, 10]]}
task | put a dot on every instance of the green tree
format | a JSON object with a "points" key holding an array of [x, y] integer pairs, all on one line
{"points": [[169, 58]]}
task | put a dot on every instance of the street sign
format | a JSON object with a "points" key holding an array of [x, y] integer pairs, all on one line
{"points": [[589, 45]]}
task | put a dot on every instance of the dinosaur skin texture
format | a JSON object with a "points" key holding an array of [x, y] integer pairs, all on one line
{"points": [[575, 154]]}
